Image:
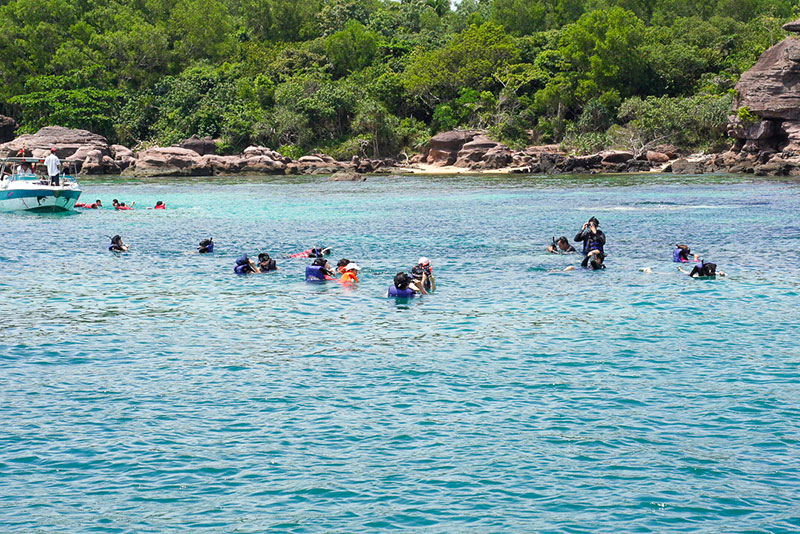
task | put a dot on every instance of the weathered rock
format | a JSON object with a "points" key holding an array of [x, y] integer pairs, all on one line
{"points": [[66, 141], [656, 157], [771, 89], [497, 157], [616, 156], [551, 163], [793, 26], [169, 161], [778, 167], [789, 134], [120, 152], [310, 159], [443, 147], [93, 163], [441, 158], [416, 159], [670, 150], [254, 151], [224, 164], [581, 164], [757, 131], [201, 145], [262, 165], [7, 127], [348, 175], [684, 166], [83, 152]]}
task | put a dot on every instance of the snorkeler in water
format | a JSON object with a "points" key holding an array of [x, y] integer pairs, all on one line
{"points": [[560, 246], [245, 265], [703, 270], [682, 254], [266, 264], [316, 252], [206, 246], [117, 245]]}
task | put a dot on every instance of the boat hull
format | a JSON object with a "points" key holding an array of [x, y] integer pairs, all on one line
{"points": [[39, 199]]}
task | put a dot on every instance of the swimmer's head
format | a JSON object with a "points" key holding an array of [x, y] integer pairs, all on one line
{"points": [[326, 251], [98, 202], [263, 257], [401, 281], [343, 262], [116, 240], [593, 220], [562, 242]]}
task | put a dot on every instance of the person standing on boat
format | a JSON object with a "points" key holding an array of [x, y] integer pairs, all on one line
{"points": [[53, 165]]}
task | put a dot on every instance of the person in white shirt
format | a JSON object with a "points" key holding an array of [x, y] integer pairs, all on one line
{"points": [[53, 165]]}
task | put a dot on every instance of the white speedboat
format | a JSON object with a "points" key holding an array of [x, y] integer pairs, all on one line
{"points": [[23, 188]]}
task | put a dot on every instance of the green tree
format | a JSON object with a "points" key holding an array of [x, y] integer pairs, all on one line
{"points": [[73, 100], [352, 49], [471, 59]]}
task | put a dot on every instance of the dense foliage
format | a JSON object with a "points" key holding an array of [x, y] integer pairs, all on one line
{"points": [[378, 77]]}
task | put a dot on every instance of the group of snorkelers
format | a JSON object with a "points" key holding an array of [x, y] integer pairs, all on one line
{"points": [[593, 240], [117, 205], [420, 281], [594, 256]]}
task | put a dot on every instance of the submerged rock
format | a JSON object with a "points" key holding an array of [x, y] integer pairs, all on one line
{"points": [[347, 176]]}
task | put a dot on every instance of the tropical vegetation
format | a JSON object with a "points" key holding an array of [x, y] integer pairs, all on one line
{"points": [[379, 77]]}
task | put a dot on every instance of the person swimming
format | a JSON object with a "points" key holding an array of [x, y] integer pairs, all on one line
{"points": [[245, 265], [206, 246], [117, 245], [703, 270], [594, 260], [405, 287], [341, 264], [682, 254], [560, 246], [160, 205], [316, 252], [319, 271], [422, 274], [350, 275], [93, 206], [121, 205], [266, 264]]}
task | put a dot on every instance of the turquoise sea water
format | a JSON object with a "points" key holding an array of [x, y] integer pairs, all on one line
{"points": [[158, 392]]}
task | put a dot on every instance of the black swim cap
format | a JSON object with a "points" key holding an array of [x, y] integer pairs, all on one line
{"points": [[343, 262]]}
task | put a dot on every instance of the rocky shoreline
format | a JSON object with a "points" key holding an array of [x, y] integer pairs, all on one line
{"points": [[455, 152]]}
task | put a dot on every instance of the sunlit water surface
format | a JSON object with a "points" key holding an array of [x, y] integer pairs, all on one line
{"points": [[158, 392]]}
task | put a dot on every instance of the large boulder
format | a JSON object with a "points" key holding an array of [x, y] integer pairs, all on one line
{"points": [[758, 130], [656, 157], [224, 164], [7, 127], [201, 145], [771, 89], [616, 156], [92, 162], [685, 166], [443, 147], [255, 151], [169, 161], [476, 150], [262, 165], [67, 141]]}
